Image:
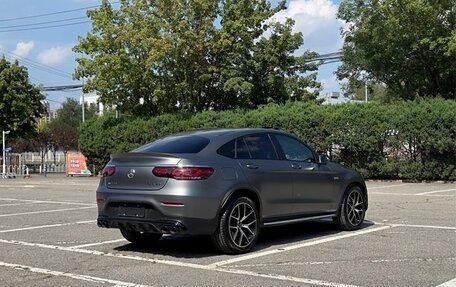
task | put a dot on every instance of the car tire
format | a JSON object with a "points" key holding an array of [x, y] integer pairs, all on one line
{"points": [[139, 238], [238, 227], [351, 212]]}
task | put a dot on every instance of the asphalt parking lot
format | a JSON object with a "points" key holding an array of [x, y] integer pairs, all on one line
{"points": [[49, 237]]}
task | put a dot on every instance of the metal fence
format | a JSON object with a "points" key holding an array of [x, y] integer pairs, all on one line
{"points": [[35, 168]]}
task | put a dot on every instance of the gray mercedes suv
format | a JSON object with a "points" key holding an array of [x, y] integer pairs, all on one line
{"points": [[226, 183]]}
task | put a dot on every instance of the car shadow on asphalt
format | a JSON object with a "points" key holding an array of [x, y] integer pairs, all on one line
{"points": [[179, 246], [295, 233]]}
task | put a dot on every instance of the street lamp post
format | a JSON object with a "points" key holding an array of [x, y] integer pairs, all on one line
{"points": [[4, 133], [83, 103]]}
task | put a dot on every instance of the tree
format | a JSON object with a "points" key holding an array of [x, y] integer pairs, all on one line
{"points": [[63, 130], [64, 137], [62, 133], [42, 141], [407, 45], [375, 92], [20, 101], [70, 113], [192, 55]]}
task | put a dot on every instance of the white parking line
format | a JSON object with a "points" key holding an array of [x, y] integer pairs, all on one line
{"points": [[47, 226], [436, 191], [416, 225], [284, 278], [22, 203], [386, 186], [48, 201], [98, 243], [412, 194], [46, 211], [18, 186], [296, 246], [100, 253], [70, 275], [341, 262], [451, 283], [181, 264]]}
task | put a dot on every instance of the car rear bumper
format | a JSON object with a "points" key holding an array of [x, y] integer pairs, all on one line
{"points": [[169, 226], [145, 212]]}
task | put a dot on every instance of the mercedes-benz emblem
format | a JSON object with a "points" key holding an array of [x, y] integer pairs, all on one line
{"points": [[131, 173]]}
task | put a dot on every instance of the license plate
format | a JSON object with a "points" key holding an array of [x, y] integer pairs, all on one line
{"points": [[126, 211]]}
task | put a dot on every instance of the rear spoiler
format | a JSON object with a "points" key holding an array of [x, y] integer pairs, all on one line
{"points": [[142, 155]]}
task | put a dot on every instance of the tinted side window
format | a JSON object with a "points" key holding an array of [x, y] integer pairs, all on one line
{"points": [[235, 149], [242, 152], [260, 146], [176, 144], [294, 150], [228, 149]]}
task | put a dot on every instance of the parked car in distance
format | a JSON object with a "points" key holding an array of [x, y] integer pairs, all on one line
{"points": [[226, 183]]}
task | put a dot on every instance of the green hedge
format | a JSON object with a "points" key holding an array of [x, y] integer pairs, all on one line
{"points": [[406, 140]]}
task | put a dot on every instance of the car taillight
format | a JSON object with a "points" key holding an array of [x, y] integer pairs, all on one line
{"points": [[183, 173], [109, 170]]}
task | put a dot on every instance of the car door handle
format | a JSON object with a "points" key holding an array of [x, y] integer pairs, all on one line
{"points": [[296, 166], [312, 167], [252, 166]]}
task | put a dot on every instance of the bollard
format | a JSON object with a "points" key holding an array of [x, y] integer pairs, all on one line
{"points": [[27, 174]]}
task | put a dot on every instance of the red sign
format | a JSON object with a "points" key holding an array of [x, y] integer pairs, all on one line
{"points": [[76, 164]]}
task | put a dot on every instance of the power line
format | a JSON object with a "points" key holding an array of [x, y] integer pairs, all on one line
{"points": [[53, 13], [38, 81], [54, 101], [42, 23], [326, 57], [330, 62], [45, 27], [61, 88], [33, 64], [337, 53]]}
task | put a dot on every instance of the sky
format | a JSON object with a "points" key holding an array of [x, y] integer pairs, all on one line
{"points": [[50, 61]]}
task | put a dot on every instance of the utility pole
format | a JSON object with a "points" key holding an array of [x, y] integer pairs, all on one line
{"points": [[117, 112], [365, 90], [83, 103], [4, 133]]}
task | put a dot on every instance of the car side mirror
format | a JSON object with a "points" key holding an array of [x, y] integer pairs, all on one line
{"points": [[322, 158]]}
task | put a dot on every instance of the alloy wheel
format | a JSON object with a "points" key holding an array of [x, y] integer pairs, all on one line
{"points": [[355, 207], [242, 224]]}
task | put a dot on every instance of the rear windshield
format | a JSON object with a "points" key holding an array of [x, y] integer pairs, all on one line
{"points": [[176, 144]]}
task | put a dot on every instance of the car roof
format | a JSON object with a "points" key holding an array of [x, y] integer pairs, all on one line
{"points": [[220, 136], [217, 132]]}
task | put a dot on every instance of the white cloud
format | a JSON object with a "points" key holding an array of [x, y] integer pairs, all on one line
{"points": [[23, 49], [317, 21], [55, 55]]}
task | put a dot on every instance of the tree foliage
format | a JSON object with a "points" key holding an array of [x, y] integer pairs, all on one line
{"points": [[409, 45], [192, 55], [401, 140], [63, 130], [20, 101], [61, 133], [375, 92]]}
